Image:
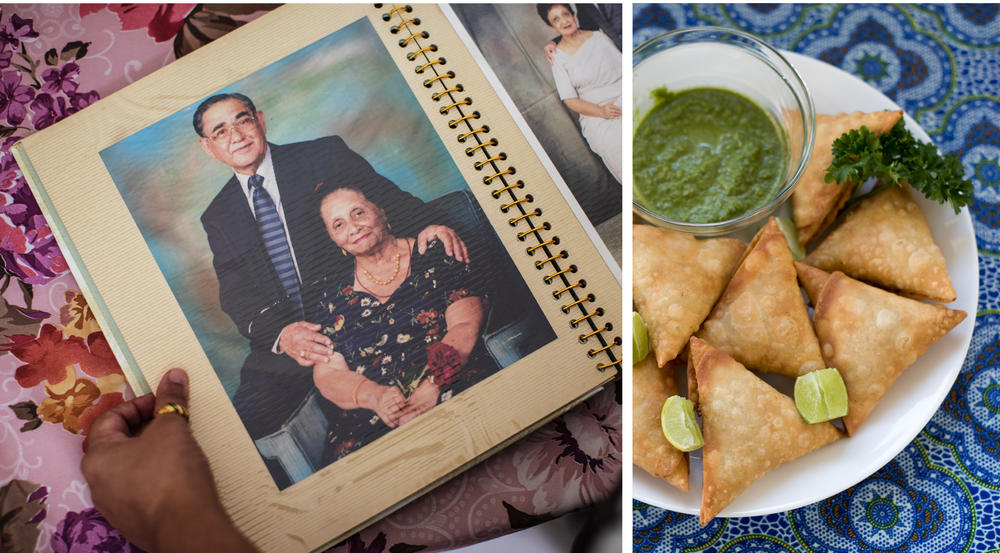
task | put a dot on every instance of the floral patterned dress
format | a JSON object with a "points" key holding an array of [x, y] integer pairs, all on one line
{"points": [[387, 342]]}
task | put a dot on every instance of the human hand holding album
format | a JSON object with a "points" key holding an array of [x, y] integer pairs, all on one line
{"points": [[150, 479]]}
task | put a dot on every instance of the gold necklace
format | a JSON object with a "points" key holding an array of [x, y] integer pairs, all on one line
{"points": [[395, 272]]}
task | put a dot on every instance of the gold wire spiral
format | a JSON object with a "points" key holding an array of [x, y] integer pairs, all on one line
{"points": [[557, 293], [550, 278], [499, 157], [549, 242], [584, 337], [606, 366], [515, 220], [437, 95], [541, 263], [404, 41], [448, 75], [507, 171], [472, 149], [595, 313], [413, 55], [462, 137], [616, 342], [465, 102], [506, 207], [496, 193], [393, 11], [568, 306], [438, 61], [454, 122], [543, 226], [405, 22]]}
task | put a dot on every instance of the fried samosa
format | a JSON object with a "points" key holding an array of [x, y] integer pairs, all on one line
{"points": [[676, 280], [871, 336], [749, 428], [815, 202], [696, 350], [761, 319], [812, 279], [885, 240], [651, 386]]}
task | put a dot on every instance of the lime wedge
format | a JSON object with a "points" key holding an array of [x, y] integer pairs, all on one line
{"points": [[640, 338], [821, 395], [787, 227], [679, 425]]}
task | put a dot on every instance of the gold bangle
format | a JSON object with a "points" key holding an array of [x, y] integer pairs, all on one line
{"points": [[354, 394]]}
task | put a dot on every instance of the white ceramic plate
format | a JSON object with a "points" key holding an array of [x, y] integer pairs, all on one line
{"points": [[912, 399]]}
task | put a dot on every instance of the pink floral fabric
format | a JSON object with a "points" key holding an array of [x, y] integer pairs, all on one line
{"points": [[58, 374]]}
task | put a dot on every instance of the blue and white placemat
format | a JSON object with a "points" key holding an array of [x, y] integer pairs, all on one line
{"points": [[941, 63]]}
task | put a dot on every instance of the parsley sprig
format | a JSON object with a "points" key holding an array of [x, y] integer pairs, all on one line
{"points": [[895, 158]]}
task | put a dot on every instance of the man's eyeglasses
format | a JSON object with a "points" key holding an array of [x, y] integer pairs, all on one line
{"points": [[225, 132]]}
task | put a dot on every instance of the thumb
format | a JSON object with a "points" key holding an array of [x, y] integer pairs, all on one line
{"points": [[173, 388]]}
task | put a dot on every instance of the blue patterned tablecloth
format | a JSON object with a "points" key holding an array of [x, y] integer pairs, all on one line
{"points": [[941, 63]]}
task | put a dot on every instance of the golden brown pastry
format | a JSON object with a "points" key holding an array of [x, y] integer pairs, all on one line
{"points": [[885, 240], [749, 429], [651, 386], [676, 280], [696, 350], [815, 202], [871, 336], [812, 279], [761, 319]]}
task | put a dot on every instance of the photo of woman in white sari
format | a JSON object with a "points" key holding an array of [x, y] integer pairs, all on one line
{"points": [[586, 67]]}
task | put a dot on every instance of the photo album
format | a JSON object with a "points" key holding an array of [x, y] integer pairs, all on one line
{"points": [[354, 242]]}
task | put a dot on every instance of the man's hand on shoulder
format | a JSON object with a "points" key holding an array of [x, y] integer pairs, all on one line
{"points": [[453, 245]]}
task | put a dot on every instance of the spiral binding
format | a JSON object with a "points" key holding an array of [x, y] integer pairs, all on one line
{"points": [[428, 61]]}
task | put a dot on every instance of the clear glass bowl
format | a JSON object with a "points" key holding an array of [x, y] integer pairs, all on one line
{"points": [[733, 60]]}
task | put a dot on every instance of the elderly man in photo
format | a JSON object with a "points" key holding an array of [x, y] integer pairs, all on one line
{"points": [[268, 244]]}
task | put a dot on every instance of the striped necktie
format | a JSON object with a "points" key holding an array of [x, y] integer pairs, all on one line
{"points": [[273, 234]]}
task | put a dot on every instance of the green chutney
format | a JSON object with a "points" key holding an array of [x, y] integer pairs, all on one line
{"points": [[705, 155]]}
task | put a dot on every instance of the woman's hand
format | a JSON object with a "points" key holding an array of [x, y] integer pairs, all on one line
{"points": [[151, 481], [421, 400], [330, 376], [550, 52], [610, 111], [389, 404], [303, 342], [453, 245], [350, 390]]}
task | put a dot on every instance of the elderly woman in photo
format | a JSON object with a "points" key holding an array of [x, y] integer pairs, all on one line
{"points": [[403, 325], [587, 68]]}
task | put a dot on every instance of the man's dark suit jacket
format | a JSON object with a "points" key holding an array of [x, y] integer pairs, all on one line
{"points": [[250, 292]]}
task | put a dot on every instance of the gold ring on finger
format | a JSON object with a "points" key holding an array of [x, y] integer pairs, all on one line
{"points": [[174, 408]]}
